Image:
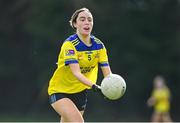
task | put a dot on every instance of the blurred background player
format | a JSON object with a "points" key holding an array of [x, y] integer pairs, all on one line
{"points": [[160, 100], [78, 61]]}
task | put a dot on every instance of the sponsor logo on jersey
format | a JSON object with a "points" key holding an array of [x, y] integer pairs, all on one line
{"points": [[70, 52]]}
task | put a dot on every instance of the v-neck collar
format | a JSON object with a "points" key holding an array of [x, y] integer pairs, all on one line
{"points": [[91, 38]]}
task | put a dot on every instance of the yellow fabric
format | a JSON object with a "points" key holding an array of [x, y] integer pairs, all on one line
{"points": [[63, 81], [161, 97]]}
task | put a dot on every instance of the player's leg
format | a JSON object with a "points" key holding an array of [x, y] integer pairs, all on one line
{"points": [[64, 120], [67, 110], [156, 117], [166, 117]]}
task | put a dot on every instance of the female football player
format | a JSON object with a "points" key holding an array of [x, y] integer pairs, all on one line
{"points": [[77, 69], [160, 99]]}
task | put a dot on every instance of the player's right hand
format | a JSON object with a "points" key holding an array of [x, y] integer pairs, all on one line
{"points": [[96, 88]]}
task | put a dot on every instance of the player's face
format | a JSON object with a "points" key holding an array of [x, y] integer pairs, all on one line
{"points": [[84, 23], [159, 83]]}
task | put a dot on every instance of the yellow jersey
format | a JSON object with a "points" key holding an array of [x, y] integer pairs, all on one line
{"points": [[162, 98], [74, 50]]}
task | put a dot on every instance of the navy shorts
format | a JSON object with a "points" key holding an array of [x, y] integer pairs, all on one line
{"points": [[79, 99]]}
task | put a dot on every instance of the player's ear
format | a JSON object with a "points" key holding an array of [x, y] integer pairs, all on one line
{"points": [[75, 25]]}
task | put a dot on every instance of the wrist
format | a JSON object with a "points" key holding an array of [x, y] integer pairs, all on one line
{"points": [[93, 86], [96, 88]]}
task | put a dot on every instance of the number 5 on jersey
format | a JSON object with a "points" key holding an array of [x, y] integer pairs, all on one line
{"points": [[89, 57]]}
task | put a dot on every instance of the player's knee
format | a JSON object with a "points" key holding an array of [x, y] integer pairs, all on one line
{"points": [[77, 118], [72, 119]]}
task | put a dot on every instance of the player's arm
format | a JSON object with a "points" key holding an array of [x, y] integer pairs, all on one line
{"points": [[106, 70], [151, 101], [103, 62], [77, 73]]}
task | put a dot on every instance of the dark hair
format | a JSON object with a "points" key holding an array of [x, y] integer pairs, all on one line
{"points": [[75, 16]]}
